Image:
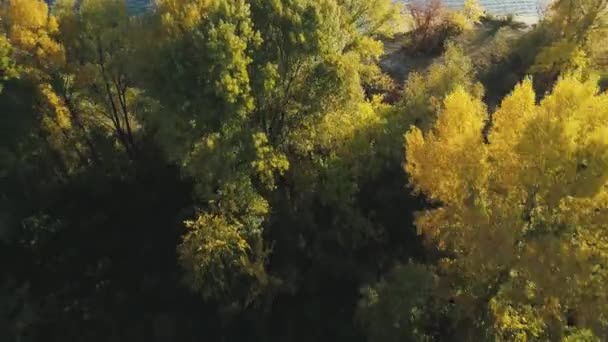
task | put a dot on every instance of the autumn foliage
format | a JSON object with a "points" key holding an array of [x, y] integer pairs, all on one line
{"points": [[233, 170]]}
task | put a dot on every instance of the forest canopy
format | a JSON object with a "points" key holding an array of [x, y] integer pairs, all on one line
{"points": [[248, 170]]}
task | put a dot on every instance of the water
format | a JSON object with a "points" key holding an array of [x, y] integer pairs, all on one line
{"points": [[524, 8], [497, 7], [521, 8], [134, 7], [139, 6]]}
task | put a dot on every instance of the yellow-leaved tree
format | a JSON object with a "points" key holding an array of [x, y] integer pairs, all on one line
{"points": [[468, 17], [30, 28], [521, 215], [576, 32]]}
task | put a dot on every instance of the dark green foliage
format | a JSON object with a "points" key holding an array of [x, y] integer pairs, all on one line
{"points": [[398, 309]]}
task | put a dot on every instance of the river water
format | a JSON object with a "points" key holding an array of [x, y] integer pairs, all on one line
{"points": [[520, 8]]}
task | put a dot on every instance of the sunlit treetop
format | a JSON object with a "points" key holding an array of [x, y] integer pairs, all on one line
{"points": [[522, 217], [577, 34], [30, 28]]}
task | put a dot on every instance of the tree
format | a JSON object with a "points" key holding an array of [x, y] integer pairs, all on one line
{"points": [[473, 11], [574, 31], [424, 93], [8, 69], [31, 32], [429, 20], [231, 170], [263, 121], [520, 219], [397, 308], [95, 85], [30, 29], [434, 24], [374, 18], [468, 17], [77, 62]]}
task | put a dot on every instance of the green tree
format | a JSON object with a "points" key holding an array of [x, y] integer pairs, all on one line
{"points": [[397, 309], [266, 117], [95, 85]]}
